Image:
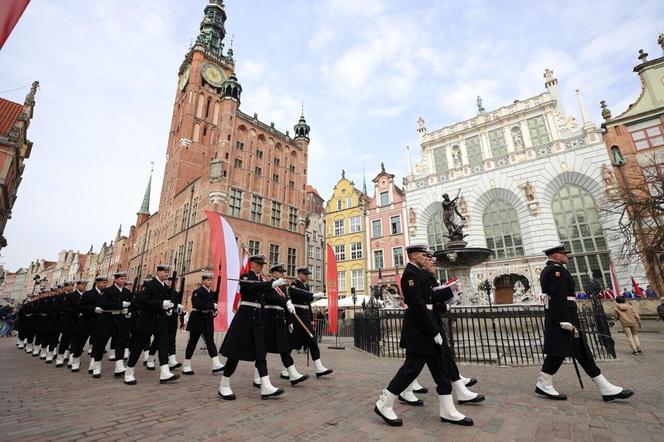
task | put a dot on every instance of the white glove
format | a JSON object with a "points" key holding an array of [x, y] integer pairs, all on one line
{"points": [[125, 311], [318, 296], [125, 304], [98, 310], [438, 339], [567, 326], [290, 328], [180, 308], [290, 307], [215, 306], [278, 283], [167, 304]]}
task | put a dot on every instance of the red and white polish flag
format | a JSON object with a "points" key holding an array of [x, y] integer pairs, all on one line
{"points": [[226, 261]]}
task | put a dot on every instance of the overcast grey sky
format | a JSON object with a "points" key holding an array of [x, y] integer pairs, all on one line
{"points": [[366, 69]]}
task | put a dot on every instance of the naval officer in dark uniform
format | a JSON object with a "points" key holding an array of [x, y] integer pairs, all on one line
{"points": [[562, 334], [201, 322], [422, 339], [244, 340]]}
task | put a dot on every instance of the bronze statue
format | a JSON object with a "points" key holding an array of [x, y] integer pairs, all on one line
{"points": [[454, 229]]}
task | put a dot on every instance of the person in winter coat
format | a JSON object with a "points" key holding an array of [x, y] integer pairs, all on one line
{"points": [[629, 318]]}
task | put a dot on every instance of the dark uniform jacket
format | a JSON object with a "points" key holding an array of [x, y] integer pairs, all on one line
{"points": [[275, 321], [68, 314], [300, 294], [201, 320], [86, 312], [153, 318], [110, 300], [558, 284], [244, 340], [420, 325]]}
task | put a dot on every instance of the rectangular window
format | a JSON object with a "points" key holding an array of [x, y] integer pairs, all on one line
{"points": [[340, 252], [291, 184], [648, 137], [239, 145], [194, 208], [254, 247], [440, 159], [185, 216], [384, 198], [497, 142], [319, 252], [235, 202], [187, 261], [356, 250], [349, 202], [310, 251], [339, 204], [292, 168], [180, 258], [259, 153], [537, 129], [274, 254], [275, 219], [275, 177], [341, 281], [277, 162], [474, 151], [292, 258], [256, 208], [357, 279], [395, 224], [355, 225], [238, 163], [378, 259], [258, 171], [338, 227], [317, 273], [377, 228], [175, 224], [397, 256], [292, 219]]}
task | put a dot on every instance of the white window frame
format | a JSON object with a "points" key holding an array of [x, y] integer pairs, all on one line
{"points": [[400, 225], [341, 281], [339, 229], [340, 252], [382, 257], [380, 200], [357, 253], [357, 282], [357, 226], [403, 258], [380, 222]]}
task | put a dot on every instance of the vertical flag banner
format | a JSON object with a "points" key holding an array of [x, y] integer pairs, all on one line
{"points": [[614, 280], [10, 12], [226, 264], [332, 290], [636, 289]]}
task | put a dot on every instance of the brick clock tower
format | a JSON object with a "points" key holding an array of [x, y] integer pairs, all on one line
{"points": [[219, 158]]}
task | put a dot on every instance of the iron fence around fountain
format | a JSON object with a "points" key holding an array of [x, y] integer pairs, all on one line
{"points": [[518, 337]]}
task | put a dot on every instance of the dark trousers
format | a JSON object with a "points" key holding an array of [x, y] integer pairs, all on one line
{"points": [[53, 337], [313, 348], [553, 363], [153, 346], [98, 347], [77, 344], [65, 342], [193, 341], [170, 340], [231, 365], [139, 344], [412, 367], [286, 359]]}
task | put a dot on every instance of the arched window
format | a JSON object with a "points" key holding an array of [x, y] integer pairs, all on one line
{"points": [[501, 229], [436, 231], [577, 223], [207, 107]]}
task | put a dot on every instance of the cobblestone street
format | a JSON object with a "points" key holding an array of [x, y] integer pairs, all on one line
{"points": [[47, 403]]}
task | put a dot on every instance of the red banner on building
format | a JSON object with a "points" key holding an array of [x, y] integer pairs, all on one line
{"points": [[10, 12], [332, 290]]}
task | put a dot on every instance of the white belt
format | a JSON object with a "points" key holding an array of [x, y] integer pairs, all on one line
{"points": [[571, 298], [429, 306], [113, 312], [202, 311], [275, 307], [250, 304], [305, 306]]}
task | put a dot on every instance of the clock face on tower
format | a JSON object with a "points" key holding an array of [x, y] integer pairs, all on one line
{"points": [[184, 78], [213, 74]]}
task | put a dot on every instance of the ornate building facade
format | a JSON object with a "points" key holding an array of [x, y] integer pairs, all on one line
{"points": [[635, 143], [221, 159], [528, 175], [387, 233], [314, 236], [345, 228]]}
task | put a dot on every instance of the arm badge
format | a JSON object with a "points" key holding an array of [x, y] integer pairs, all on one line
{"points": [[411, 283]]}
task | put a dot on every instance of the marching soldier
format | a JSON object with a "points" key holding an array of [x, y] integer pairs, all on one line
{"points": [[422, 339], [204, 308], [278, 326], [65, 324], [302, 297], [244, 340], [155, 305], [563, 336], [87, 314], [53, 322], [39, 321], [172, 334]]}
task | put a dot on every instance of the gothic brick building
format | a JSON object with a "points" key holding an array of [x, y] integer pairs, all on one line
{"points": [[221, 159]]}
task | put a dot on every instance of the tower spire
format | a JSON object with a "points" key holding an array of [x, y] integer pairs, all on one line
{"points": [[145, 207], [212, 31], [364, 181]]}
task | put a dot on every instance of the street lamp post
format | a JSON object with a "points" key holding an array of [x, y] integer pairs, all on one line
{"points": [[36, 279], [487, 288]]}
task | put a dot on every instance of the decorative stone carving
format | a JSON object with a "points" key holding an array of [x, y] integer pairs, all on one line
{"points": [[565, 123], [609, 180], [412, 217], [529, 191], [517, 138], [456, 156]]}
